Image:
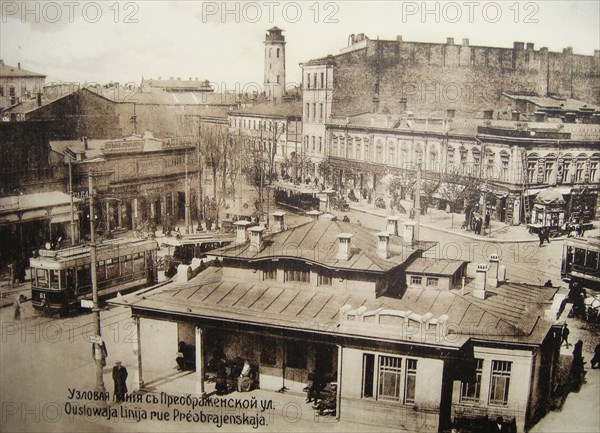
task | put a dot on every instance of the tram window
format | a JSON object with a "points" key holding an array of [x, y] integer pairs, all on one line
{"points": [[138, 262], [54, 281], [579, 258], [126, 265], [591, 261], [84, 278], [42, 277], [101, 271], [112, 268]]}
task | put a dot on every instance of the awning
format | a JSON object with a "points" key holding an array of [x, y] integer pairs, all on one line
{"points": [[64, 218], [53, 205]]}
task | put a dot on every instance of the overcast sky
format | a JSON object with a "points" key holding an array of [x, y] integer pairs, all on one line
{"points": [[107, 41]]}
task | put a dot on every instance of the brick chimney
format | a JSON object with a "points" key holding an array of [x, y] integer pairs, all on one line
{"points": [[403, 104], [313, 214], [494, 270], [344, 252], [256, 238], [409, 232], [480, 280], [392, 225], [240, 229], [278, 225], [383, 245], [449, 41]]}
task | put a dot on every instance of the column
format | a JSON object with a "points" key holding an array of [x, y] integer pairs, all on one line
{"points": [[120, 214], [107, 216], [199, 363], [137, 350], [339, 381]]}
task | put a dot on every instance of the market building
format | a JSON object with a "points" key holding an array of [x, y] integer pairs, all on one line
{"points": [[330, 298]]}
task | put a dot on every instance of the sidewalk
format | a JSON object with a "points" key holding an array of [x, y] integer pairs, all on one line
{"points": [[442, 221]]}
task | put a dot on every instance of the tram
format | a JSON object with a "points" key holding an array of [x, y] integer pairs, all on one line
{"points": [[188, 247], [297, 197], [60, 279], [581, 261]]}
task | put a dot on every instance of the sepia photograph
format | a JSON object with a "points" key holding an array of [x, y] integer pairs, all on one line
{"points": [[300, 216]]}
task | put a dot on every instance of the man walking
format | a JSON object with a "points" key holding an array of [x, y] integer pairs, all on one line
{"points": [[565, 336]]}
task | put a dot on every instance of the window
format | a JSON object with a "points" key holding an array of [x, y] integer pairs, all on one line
{"points": [[415, 280], [313, 143], [268, 351], [500, 382], [307, 115], [315, 81], [277, 79], [314, 111], [295, 354], [270, 272], [358, 155], [321, 112], [548, 169], [270, 51], [593, 171], [531, 166], [432, 281], [566, 171], [101, 271], [42, 278], [324, 279], [469, 391], [277, 52], [322, 80], [320, 144], [410, 381], [307, 82], [389, 378], [299, 276], [579, 170]]}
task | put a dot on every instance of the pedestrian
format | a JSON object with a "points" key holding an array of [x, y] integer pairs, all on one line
{"points": [[547, 234], [119, 375], [596, 359], [541, 237], [17, 305], [565, 336], [548, 283], [577, 369]]}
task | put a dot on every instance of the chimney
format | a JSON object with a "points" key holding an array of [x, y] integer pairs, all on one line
{"points": [[256, 238], [449, 41], [480, 280], [383, 242], [39, 99], [19, 65], [494, 268], [409, 232], [392, 225], [375, 104], [465, 42], [278, 225], [451, 112], [402, 103], [344, 252], [399, 39], [518, 45], [85, 143], [529, 46], [313, 214], [240, 228], [540, 116], [488, 114], [597, 54]]}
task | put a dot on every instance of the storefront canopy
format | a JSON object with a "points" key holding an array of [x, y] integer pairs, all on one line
{"points": [[29, 207]]}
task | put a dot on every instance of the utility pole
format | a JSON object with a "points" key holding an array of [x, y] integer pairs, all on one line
{"points": [[96, 309], [71, 200], [418, 202], [187, 196]]}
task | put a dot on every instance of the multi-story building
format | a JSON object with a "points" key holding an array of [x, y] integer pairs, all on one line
{"points": [[18, 85], [331, 298], [272, 130], [513, 160]]}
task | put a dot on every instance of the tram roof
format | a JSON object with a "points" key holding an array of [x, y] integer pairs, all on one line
{"points": [[591, 243], [80, 254]]}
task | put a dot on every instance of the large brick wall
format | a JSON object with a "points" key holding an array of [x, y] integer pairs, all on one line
{"points": [[469, 79]]}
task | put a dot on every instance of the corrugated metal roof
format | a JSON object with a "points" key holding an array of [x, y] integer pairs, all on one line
{"points": [[316, 241], [510, 313]]}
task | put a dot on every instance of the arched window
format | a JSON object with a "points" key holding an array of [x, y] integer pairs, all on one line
{"points": [[418, 154], [350, 148], [391, 159], [594, 162], [450, 154], [565, 170], [358, 149], [379, 152], [580, 168], [532, 161], [549, 165], [504, 161]]}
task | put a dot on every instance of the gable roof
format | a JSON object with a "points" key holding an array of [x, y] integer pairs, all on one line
{"points": [[15, 71], [317, 242]]}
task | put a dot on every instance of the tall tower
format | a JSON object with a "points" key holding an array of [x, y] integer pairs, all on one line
{"points": [[274, 64]]}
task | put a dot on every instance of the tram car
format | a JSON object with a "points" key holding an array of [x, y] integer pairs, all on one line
{"points": [[581, 262], [187, 247], [60, 279]]}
